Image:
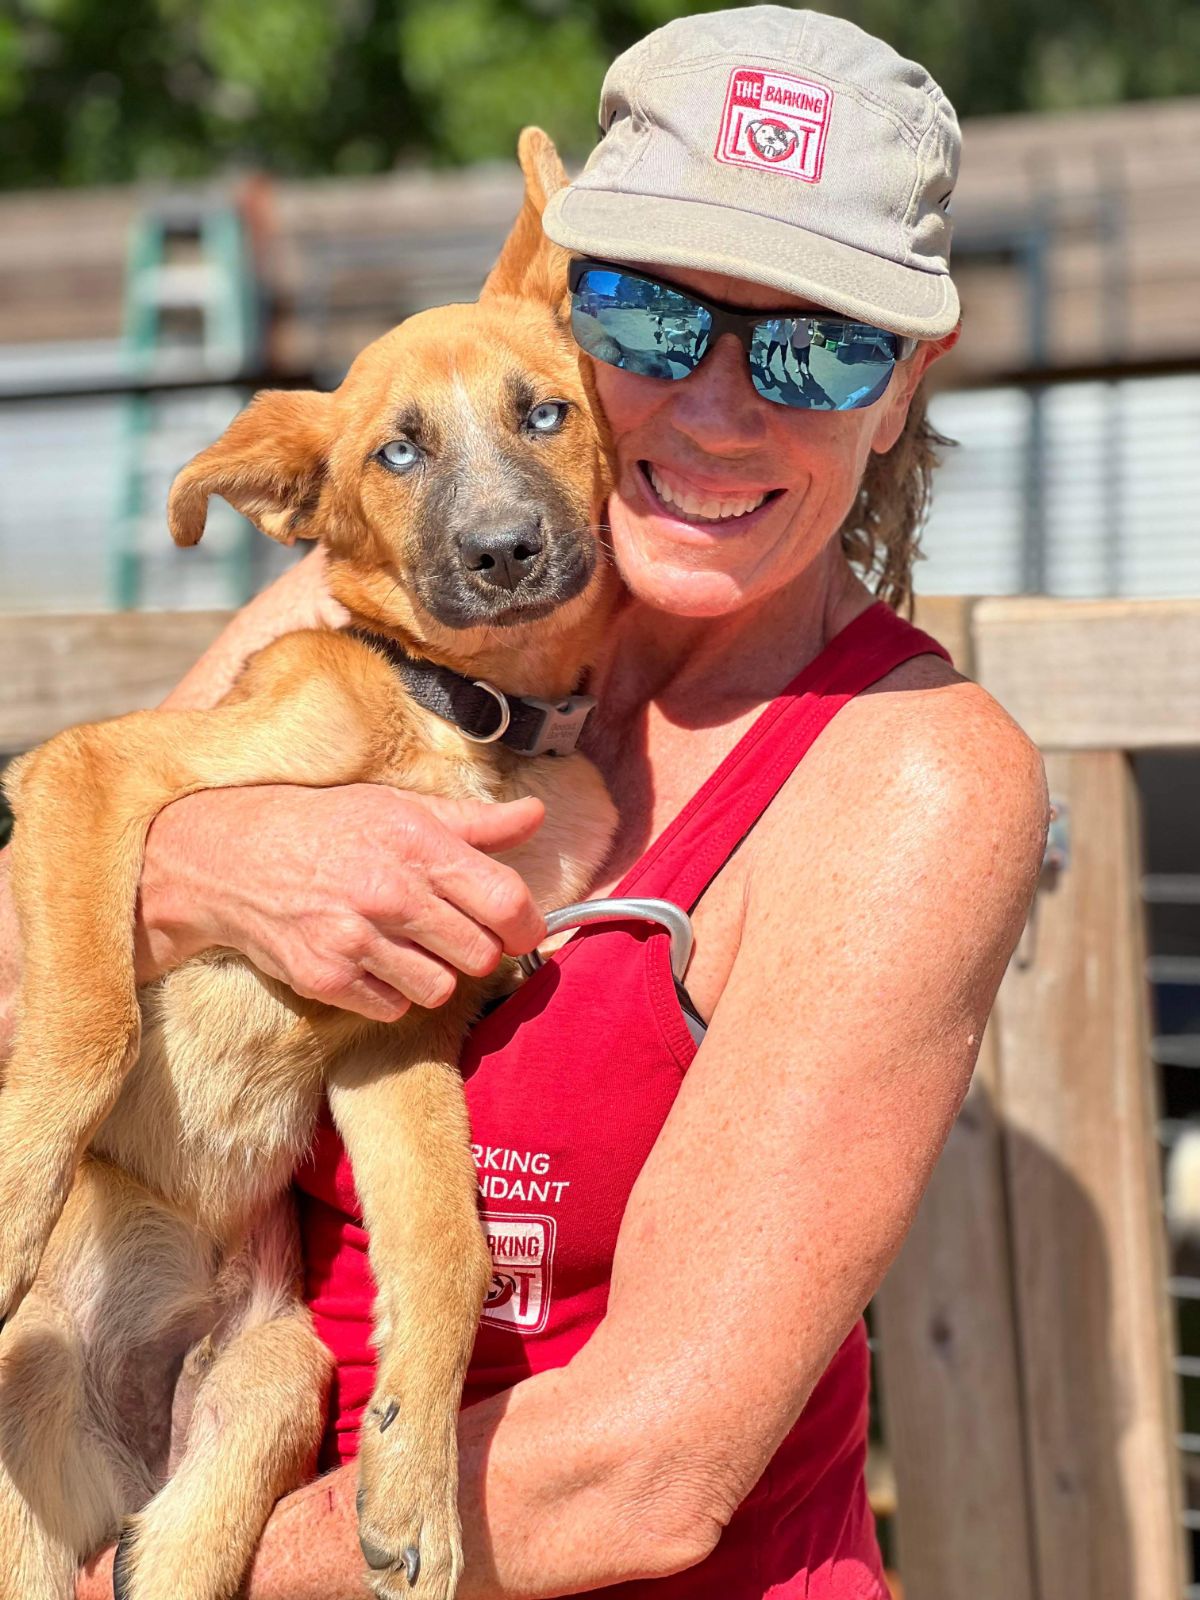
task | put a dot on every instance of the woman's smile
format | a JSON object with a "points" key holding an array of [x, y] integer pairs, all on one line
{"points": [[715, 508]]}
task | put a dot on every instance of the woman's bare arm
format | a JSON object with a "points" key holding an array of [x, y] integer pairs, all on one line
{"points": [[298, 599]]}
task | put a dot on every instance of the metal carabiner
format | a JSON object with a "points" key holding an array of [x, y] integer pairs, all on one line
{"points": [[633, 909]]}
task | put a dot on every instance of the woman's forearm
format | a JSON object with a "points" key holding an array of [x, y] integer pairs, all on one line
{"points": [[553, 1491], [556, 1493]]}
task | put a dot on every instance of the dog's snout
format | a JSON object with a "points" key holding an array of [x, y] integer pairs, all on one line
{"points": [[502, 556]]}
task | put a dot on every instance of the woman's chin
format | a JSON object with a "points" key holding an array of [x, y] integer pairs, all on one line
{"points": [[675, 586]]}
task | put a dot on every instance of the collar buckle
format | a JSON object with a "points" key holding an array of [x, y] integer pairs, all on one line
{"points": [[561, 726]]}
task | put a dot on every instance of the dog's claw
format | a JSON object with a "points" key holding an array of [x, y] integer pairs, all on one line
{"points": [[120, 1572], [390, 1412], [381, 1561]]}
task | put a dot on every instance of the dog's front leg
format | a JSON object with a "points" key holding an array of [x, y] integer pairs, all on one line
{"points": [[399, 1105]]}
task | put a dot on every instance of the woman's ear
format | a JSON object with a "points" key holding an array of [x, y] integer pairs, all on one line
{"points": [[893, 409], [270, 464], [530, 265]]}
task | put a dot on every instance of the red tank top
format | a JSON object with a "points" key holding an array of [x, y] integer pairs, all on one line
{"points": [[568, 1084]]}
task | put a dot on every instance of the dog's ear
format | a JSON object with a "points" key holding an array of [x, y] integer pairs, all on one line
{"points": [[270, 464], [530, 265]]}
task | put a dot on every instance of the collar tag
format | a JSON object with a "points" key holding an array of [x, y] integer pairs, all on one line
{"points": [[561, 726]]}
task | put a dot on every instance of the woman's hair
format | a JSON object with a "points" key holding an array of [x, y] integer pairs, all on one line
{"points": [[882, 531]]}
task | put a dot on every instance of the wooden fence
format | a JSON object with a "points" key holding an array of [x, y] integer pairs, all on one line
{"points": [[1024, 1333]]}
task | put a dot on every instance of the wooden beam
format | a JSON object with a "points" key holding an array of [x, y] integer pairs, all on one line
{"points": [[59, 670], [1094, 674], [950, 1389], [1078, 1098]]}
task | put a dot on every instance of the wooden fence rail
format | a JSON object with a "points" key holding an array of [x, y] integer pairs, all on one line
{"points": [[1025, 1341]]}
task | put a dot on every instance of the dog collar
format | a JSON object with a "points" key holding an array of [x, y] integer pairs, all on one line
{"points": [[481, 712]]}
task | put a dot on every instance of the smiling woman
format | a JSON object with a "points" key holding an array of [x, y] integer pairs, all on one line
{"points": [[668, 1389]]}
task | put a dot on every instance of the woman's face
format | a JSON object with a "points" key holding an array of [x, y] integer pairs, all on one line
{"points": [[722, 497]]}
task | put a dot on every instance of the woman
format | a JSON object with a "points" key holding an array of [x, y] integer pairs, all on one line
{"points": [[670, 1387]]}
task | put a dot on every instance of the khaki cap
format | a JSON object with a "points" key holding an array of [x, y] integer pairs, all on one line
{"points": [[786, 147]]}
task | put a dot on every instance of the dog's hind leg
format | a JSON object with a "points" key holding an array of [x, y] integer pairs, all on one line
{"points": [[398, 1102], [59, 1494], [255, 1425]]}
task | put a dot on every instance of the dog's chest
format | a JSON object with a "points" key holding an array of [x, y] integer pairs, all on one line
{"points": [[222, 1102]]}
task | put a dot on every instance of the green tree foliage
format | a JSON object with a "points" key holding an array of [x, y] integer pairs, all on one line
{"points": [[98, 91]]}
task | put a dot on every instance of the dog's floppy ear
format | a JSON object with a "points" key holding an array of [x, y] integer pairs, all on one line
{"points": [[530, 265], [270, 464]]}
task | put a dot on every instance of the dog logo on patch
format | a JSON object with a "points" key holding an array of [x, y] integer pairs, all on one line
{"points": [[772, 140], [522, 1249], [774, 121]]}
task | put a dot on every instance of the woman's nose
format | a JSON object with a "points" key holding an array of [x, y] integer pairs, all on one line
{"points": [[717, 405]]}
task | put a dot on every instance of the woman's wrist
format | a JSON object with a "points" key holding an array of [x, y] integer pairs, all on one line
{"points": [[176, 915]]}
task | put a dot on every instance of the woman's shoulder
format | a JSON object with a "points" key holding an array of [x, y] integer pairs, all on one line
{"points": [[922, 767]]}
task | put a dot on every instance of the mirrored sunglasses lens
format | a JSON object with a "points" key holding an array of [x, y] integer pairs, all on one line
{"points": [[821, 366], [638, 325]]}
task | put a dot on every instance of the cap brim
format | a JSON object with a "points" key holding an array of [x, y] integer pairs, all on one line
{"points": [[712, 238]]}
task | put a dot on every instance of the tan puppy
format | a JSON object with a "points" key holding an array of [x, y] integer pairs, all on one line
{"points": [[456, 479]]}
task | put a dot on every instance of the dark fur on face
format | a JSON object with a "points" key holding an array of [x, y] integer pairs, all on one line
{"points": [[485, 488]]}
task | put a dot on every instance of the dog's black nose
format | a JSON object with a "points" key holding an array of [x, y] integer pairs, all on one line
{"points": [[503, 556]]}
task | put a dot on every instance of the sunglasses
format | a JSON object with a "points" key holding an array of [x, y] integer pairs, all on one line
{"points": [[812, 362]]}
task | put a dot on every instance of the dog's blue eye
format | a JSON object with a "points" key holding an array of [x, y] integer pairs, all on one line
{"points": [[401, 455], [548, 417]]}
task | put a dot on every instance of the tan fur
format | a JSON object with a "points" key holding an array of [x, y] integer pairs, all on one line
{"points": [[146, 1141]]}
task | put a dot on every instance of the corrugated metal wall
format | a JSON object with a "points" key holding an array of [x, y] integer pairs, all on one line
{"points": [[1119, 507]]}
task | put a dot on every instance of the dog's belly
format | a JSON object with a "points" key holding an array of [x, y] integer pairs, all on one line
{"points": [[222, 1102]]}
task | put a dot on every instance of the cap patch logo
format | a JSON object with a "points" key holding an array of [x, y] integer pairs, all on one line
{"points": [[774, 141], [774, 121]]}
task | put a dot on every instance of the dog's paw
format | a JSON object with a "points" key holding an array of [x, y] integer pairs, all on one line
{"points": [[173, 1550], [408, 1525]]}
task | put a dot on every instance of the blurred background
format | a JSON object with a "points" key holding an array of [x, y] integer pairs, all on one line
{"points": [[202, 197]]}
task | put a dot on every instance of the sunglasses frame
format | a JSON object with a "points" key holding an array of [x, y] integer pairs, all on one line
{"points": [[736, 320]]}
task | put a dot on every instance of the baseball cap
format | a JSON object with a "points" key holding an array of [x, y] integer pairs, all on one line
{"points": [[782, 146]]}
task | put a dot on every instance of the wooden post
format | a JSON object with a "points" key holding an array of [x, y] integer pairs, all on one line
{"points": [[1078, 1096], [951, 1393]]}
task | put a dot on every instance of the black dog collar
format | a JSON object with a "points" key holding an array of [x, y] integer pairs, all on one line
{"points": [[483, 713]]}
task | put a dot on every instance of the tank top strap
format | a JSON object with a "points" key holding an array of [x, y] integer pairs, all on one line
{"points": [[689, 853]]}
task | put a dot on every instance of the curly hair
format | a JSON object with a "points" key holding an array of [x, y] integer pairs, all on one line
{"points": [[883, 529]]}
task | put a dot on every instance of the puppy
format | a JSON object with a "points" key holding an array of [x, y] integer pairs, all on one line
{"points": [[147, 1141]]}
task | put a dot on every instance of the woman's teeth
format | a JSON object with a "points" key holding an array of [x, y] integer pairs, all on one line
{"points": [[706, 506]]}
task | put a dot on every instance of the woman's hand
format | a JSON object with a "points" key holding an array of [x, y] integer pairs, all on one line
{"points": [[365, 897], [94, 1581]]}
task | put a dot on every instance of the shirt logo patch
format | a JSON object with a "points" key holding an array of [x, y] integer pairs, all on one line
{"points": [[774, 121], [522, 1266]]}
